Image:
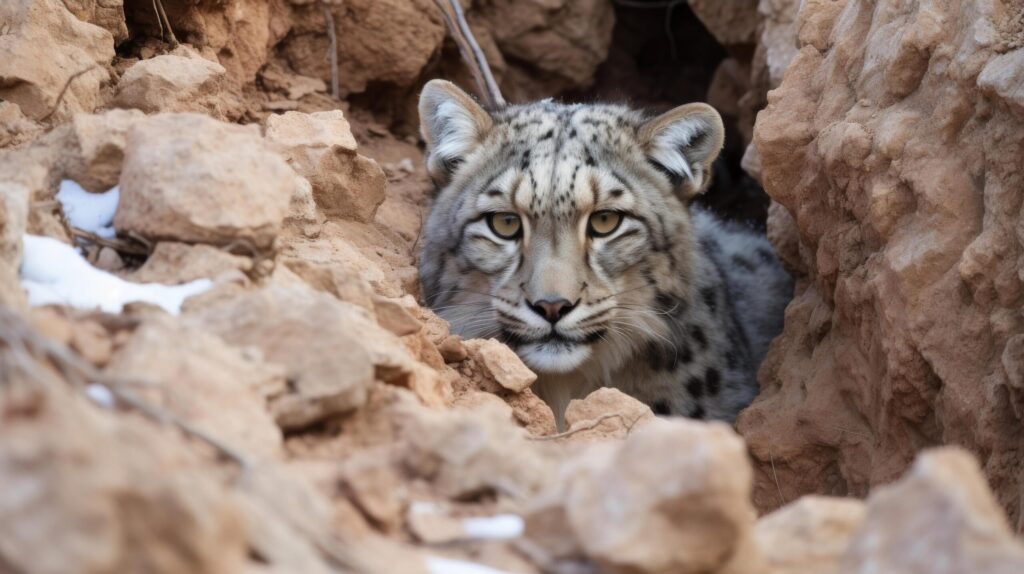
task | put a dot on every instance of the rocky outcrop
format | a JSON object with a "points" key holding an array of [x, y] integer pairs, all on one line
{"points": [[894, 146]]}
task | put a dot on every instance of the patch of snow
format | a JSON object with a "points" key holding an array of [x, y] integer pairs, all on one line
{"points": [[498, 527], [92, 212], [100, 395], [437, 565], [54, 273]]}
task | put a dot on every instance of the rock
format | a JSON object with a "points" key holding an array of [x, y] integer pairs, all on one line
{"points": [[190, 178], [93, 149], [71, 46], [501, 364], [333, 279], [173, 83], [92, 342], [108, 14], [688, 513], [320, 147], [393, 316], [731, 22], [329, 373], [379, 41], [621, 414], [298, 135], [15, 128], [555, 44], [939, 519], [809, 535], [912, 291], [453, 350], [91, 491], [175, 263], [202, 380]]}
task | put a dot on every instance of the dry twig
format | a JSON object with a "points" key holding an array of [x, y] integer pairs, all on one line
{"points": [[591, 425], [161, 13], [27, 349], [451, 10], [64, 90]]}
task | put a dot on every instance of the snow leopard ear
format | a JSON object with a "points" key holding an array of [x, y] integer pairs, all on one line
{"points": [[453, 124], [682, 143]]}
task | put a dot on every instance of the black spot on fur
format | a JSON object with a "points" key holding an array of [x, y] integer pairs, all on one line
{"points": [[698, 412], [743, 263], [661, 407], [765, 255], [525, 161], [695, 387], [493, 192], [548, 135], [617, 193], [713, 381], [710, 299], [698, 335], [589, 158]]}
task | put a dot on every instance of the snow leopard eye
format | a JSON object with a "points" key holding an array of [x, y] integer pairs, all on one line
{"points": [[604, 223], [505, 225]]}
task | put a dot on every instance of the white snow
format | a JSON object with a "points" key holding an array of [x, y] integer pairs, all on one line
{"points": [[498, 527], [100, 395], [54, 273], [437, 565], [92, 212]]}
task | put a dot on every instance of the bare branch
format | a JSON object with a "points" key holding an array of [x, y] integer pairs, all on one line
{"points": [[64, 90], [471, 52], [591, 425], [332, 53]]}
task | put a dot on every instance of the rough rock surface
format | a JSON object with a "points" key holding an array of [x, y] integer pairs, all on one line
{"points": [[173, 83], [809, 535], [36, 28], [894, 143], [189, 178]]}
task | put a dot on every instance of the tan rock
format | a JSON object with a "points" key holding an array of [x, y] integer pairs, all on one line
{"points": [[92, 342], [320, 147], [731, 22], [604, 414], [174, 263], [688, 513], [15, 128], [939, 519], [894, 155], [219, 389], [108, 493], [190, 178], [384, 41], [393, 316], [333, 279], [809, 535], [45, 27], [173, 83], [501, 364], [108, 14], [14, 209], [453, 350]]}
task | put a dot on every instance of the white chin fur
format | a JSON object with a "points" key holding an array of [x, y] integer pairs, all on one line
{"points": [[553, 358]]}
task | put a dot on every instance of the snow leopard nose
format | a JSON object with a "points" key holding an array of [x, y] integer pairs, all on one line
{"points": [[552, 309]]}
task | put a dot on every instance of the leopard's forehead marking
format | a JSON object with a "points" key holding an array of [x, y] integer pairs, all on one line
{"points": [[559, 153]]}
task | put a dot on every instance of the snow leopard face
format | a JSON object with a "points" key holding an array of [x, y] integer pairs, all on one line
{"points": [[562, 230]]}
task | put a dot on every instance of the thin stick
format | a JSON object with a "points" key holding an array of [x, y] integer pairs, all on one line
{"points": [[455, 20], [159, 20], [333, 53], [64, 90], [163, 14], [590, 426], [120, 245], [782, 499]]}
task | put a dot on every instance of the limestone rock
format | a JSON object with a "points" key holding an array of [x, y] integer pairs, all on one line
{"points": [[604, 414], [107, 14], [383, 41], [173, 83], [174, 263], [14, 208], [501, 364], [689, 513], [93, 152], [809, 535], [912, 290], [191, 178], [939, 519], [731, 22], [34, 28], [204, 381], [320, 147]]}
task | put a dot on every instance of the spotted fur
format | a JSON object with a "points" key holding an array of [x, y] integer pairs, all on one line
{"points": [[675, 307]]}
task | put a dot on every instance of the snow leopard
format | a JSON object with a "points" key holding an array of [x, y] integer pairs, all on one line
{"points": [[570, 232]]}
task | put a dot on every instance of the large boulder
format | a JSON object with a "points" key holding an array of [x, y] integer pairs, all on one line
{"points": [[182, 82], [894, 145], [44, 49], [190, 178]]}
